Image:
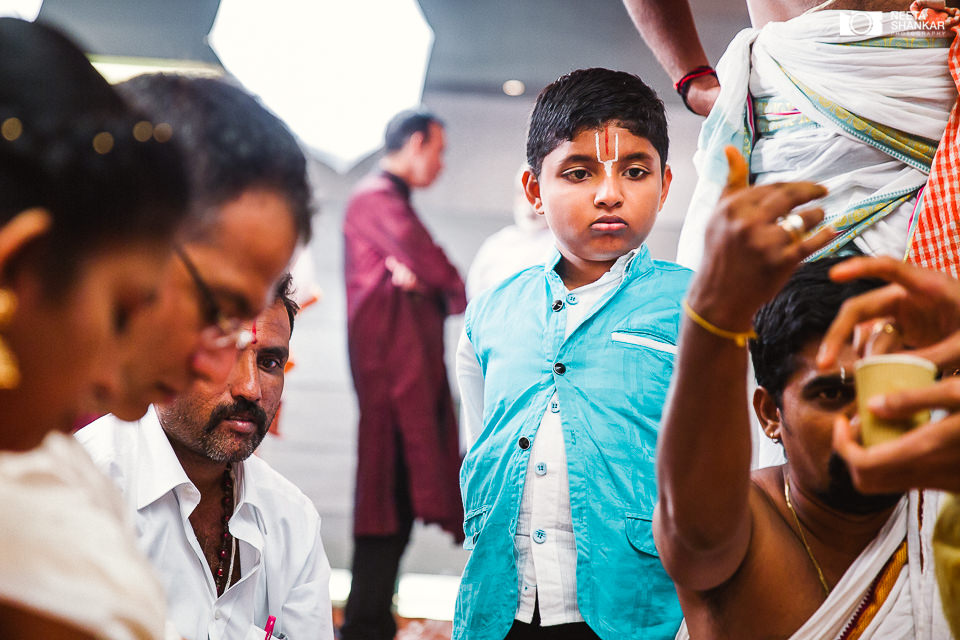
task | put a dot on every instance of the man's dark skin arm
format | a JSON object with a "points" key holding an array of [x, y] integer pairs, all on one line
{"points": [[702, 523], [669, 30]]}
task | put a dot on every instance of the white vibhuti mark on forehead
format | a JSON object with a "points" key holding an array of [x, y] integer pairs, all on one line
{"points": [[607, 164]]}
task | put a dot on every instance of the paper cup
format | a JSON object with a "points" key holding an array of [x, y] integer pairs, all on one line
{"points": [[882, 374]]}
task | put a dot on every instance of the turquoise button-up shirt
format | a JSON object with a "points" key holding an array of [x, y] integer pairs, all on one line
{"points": [[611, 376]]}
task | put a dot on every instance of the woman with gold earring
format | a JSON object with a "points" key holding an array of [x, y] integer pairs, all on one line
{"points": [[88, 208]]}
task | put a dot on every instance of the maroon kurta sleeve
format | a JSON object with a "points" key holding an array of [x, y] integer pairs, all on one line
{"points": [[390, 226]]}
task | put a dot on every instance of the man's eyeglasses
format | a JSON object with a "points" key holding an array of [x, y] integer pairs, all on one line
{"points": [[221, 331]]}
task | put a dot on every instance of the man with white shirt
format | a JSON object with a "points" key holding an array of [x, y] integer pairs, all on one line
{"points": [[234, 542]]}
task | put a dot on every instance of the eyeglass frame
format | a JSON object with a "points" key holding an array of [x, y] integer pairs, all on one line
{"points": [[221, 331]]}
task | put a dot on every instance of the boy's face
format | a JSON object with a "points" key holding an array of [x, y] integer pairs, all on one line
{"points": [[600, 193]]}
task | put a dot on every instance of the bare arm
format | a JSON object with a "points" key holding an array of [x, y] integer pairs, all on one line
{"points": [[703, 522], [669, 30]]}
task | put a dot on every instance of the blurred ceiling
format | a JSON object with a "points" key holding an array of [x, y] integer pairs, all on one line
{"points": [[479, 43]]}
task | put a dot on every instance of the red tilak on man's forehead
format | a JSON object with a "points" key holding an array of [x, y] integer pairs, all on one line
{"points": [[606, 141]]}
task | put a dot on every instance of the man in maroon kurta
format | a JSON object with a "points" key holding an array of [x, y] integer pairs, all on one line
{"points": [[400, 288]]}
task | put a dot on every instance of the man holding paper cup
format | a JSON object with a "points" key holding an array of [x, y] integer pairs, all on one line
{"points": [[792, 551], [923, 307]]}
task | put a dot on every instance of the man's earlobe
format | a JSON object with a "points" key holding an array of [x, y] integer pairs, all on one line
{"points": [[416, 140], [765, 406]]}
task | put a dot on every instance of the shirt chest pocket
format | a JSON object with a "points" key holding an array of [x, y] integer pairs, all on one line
{"points": [[473, 522], [645, 340], [639, 529], [647, 364]]}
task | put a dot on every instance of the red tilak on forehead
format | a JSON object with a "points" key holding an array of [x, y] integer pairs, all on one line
{"points": [[254, 332], [608, 163]]}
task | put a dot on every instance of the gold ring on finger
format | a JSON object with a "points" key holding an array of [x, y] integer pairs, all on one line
{"points": [[886, 327], [794, 225]]}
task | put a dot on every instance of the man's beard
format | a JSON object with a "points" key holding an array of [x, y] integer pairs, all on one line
{"points": [[841, 495], [222, 448]]}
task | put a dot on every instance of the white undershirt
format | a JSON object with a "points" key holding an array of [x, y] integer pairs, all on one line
{"points": [[545, 544]]}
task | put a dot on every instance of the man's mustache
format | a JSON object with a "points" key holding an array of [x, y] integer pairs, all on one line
{"points": [[242, 409]]}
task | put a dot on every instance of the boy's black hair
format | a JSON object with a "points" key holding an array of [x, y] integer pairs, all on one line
{"points": [[72, 146], [589, 99], [232, 143], [801, 312], [405, 124]]}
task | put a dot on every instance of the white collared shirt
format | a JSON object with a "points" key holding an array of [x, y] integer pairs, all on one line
{"points": [[284, 569], [545, 544]]}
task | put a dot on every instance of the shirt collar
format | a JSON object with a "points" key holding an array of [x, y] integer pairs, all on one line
{"points": [[633, 263], [398, 182], [160, 471]]}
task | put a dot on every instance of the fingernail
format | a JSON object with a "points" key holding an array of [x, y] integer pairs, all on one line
{"points": [[823, 359], [877, 403]]}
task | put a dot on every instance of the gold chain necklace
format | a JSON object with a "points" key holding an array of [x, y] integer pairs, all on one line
{"points": [[803, 538]]}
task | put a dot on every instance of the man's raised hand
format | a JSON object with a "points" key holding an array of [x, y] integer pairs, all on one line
{"points": [[753, 243]]}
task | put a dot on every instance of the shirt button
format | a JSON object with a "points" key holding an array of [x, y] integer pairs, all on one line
{"points": [[217, 614], [554, 406], [523, 442], [572, 298], [541, 468], [559, 368], [539, 536], [557, 305]]}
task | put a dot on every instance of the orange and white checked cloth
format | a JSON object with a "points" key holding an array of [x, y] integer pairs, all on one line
{"points": [[935, 241]]}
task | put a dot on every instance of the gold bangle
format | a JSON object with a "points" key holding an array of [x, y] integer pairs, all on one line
{"points": [[739, 338]]}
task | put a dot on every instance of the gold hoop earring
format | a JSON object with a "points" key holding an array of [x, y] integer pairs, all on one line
{"points": [[9, 370]]}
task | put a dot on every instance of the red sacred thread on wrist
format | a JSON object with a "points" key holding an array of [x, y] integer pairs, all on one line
{"points": [[683, 84]]}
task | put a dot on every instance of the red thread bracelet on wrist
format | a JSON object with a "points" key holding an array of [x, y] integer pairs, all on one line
{"points": [[683, 84]]}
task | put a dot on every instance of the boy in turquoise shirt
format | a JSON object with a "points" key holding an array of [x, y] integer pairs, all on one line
{"points": [[564, 370]]}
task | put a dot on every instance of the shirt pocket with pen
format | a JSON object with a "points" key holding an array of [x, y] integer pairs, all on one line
{"points": [[257, 633], [647, 359]]}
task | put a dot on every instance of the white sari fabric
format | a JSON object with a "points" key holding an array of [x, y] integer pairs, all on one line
{"points": [[810, 99], [910, 609], [69, 551]]}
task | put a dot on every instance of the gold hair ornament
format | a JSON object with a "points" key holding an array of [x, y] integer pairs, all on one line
{"points": [[103, 141]]}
